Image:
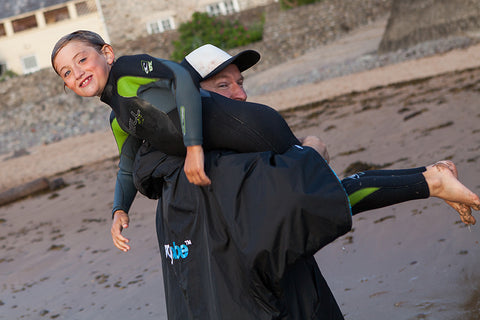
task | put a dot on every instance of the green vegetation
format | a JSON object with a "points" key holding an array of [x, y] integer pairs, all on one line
{"points": [[7, 75], [288, 4], [223, 33]]}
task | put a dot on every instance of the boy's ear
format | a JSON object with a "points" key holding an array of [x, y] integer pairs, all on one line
{"points": [[107, 51]]}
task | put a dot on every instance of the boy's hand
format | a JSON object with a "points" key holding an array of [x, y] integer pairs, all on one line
{"points": [[194, 166], [120, 222]]}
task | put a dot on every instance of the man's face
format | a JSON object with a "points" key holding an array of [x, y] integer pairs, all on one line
{"points": [[228, 83]]}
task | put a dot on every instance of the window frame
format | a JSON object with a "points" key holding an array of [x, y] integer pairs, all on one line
{"points": [[26, 68], [224, 7], [56, 15], [160, 25]]}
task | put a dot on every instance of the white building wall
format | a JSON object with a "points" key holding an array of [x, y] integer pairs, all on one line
{"points": [[39, 41]]}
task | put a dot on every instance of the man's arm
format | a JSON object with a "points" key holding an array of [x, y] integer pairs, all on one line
{"points": [[317, 144]]}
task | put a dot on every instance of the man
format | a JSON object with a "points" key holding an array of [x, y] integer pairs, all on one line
{"points": [[300, 291], [243, 247], [215, 70]]}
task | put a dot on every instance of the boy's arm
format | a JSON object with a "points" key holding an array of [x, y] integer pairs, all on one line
{"points": [[194, 166], [189, 106], [125, 189]]}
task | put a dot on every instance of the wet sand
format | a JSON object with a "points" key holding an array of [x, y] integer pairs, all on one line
{"points": [[415, 260], [410, 261]]}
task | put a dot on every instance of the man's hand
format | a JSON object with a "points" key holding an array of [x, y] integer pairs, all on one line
{"points": [[194, 166], [120, 222], [317, 144]]}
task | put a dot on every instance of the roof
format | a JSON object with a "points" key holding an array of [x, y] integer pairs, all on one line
{"points": [[11, 8]]}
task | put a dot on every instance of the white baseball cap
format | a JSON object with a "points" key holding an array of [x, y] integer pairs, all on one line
{"points": [[208, 60]]}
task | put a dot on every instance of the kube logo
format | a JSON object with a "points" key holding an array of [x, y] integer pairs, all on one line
{"points": [[176, 252]]}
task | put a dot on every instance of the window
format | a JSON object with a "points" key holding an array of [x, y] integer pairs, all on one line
{"points": [[153, 27], [225, 7], [214, 9], [166, 25], [30, 64], [229, 7], [2, 30], [85, 7], [159, 26], [24, 23], [56, 15]]}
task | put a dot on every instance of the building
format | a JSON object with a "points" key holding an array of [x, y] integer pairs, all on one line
{"points": [[30, 28], [127, 20]]}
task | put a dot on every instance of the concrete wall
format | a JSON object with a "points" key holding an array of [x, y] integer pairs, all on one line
{"points": [[291, 33], [415, 21]]}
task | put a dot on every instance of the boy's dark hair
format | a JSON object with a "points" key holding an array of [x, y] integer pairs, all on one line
{"points": [[89, 37]]}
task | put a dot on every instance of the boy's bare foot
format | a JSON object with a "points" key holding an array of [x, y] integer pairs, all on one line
{"points": [[464, 211], [442, 181], [449, 164]]}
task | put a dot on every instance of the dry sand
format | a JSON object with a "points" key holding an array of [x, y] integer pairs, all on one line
{"points": [[409, 261]]}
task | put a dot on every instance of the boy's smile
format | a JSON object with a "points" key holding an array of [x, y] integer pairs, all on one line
{"points": [[84, 69], [86, 82]]}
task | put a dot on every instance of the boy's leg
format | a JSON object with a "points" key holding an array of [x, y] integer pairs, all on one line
{"points": [[395, 172], [376, 189], [367, 191]]}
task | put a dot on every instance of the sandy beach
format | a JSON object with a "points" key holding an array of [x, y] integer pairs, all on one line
{"points": [[410, 261]]}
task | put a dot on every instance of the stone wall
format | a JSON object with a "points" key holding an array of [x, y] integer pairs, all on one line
{"points": [[36, 109]]}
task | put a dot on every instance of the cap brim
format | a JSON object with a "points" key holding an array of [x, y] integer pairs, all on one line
{"points": [[243, 60]]}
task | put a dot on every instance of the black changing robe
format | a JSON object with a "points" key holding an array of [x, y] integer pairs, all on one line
{"points": [[243, 247]]}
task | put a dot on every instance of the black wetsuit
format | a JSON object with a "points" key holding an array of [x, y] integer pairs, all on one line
{"points": [[156, 100]]}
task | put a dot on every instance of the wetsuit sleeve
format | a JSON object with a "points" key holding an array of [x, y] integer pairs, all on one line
{"points": [[189, 105], [125, 189]]}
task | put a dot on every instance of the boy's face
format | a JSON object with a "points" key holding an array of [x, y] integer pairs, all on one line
{"points": [[83, 69], [228, 83]]}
